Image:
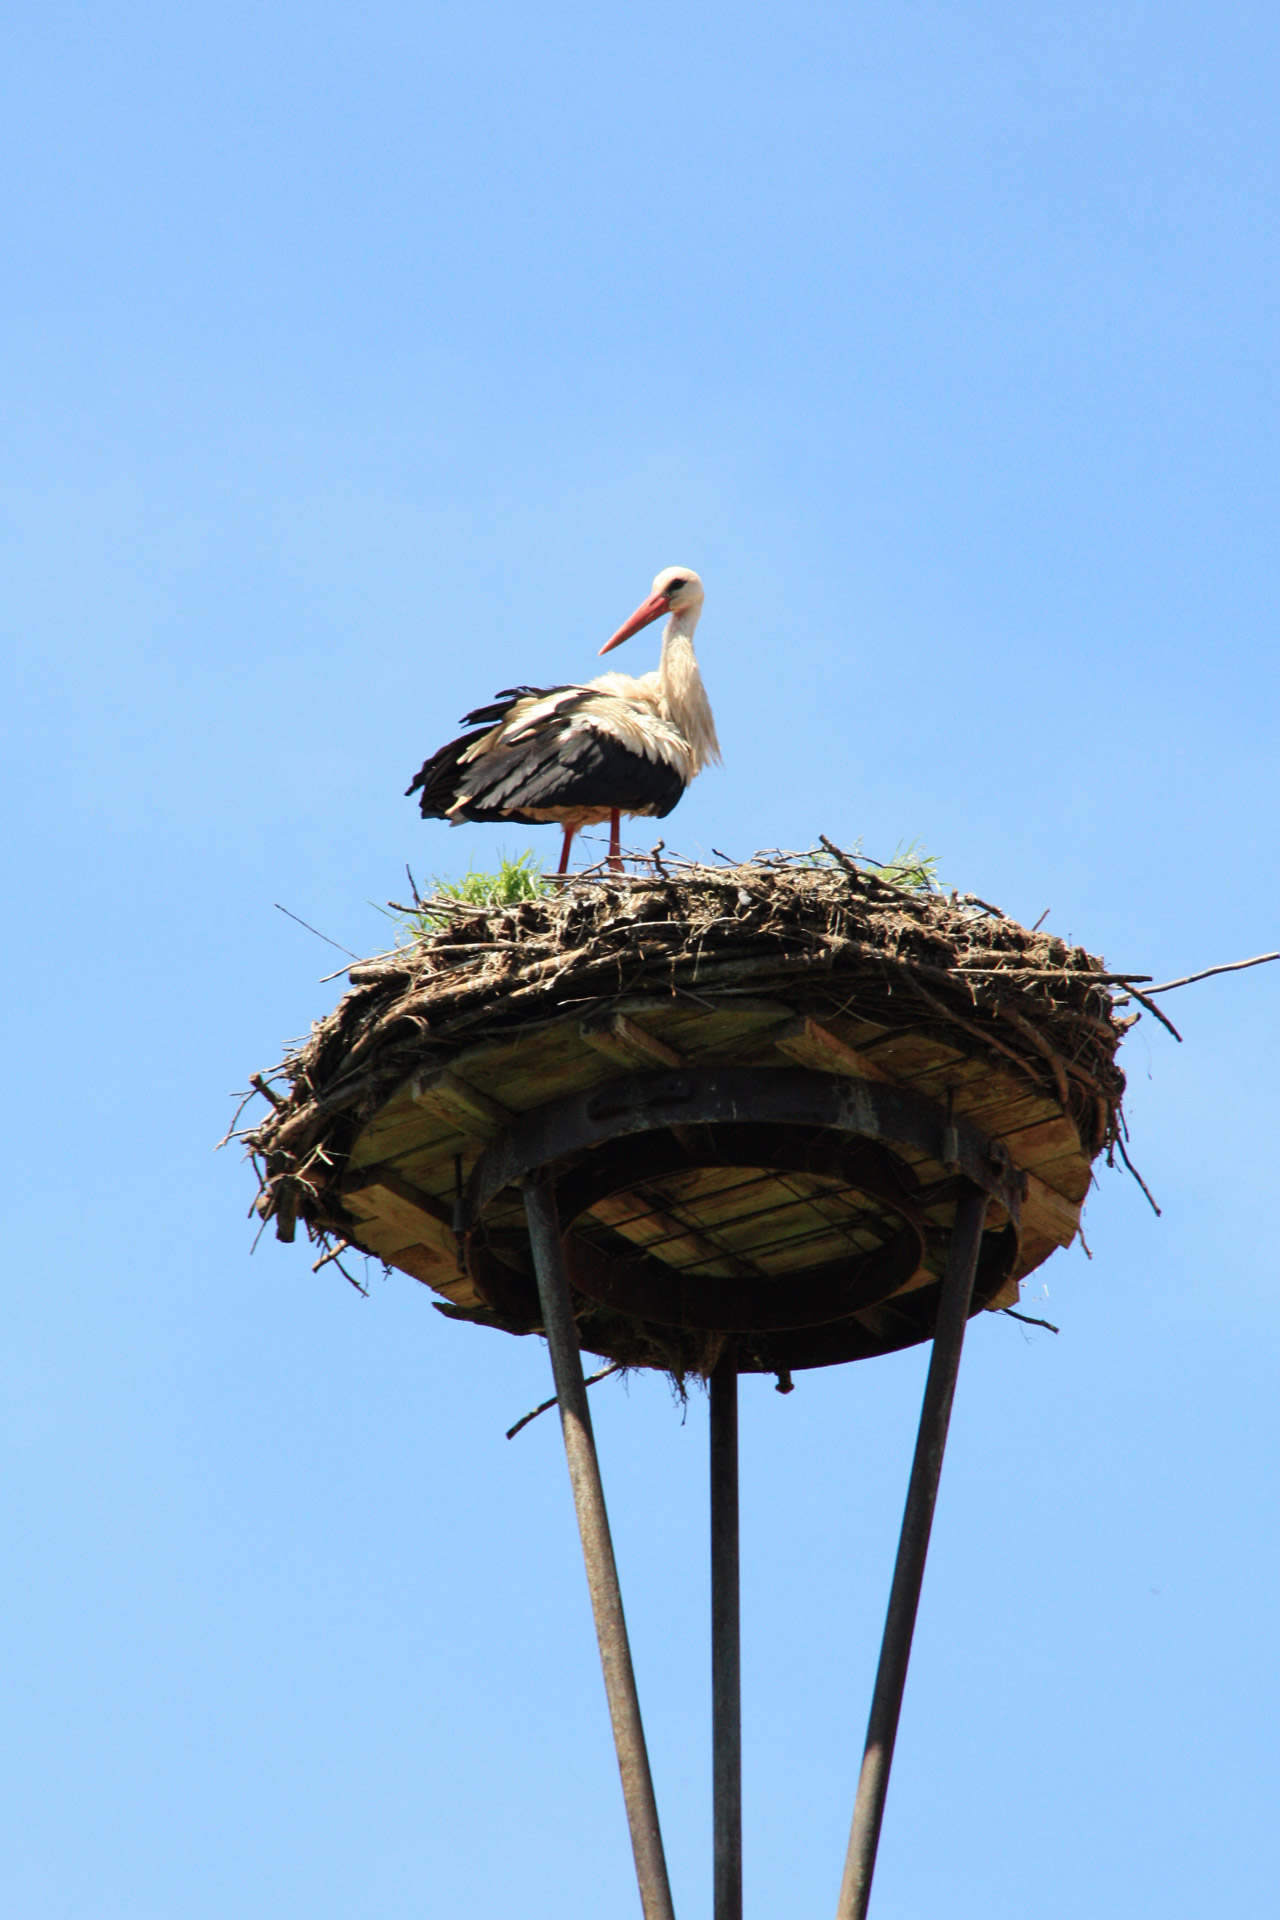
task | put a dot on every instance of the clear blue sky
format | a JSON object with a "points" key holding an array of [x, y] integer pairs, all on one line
{"points": [[359, 361]]}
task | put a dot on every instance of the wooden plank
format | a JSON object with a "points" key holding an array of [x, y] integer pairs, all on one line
{"points": [[924, 1276], [1049, 1140], [425, 1264], [544, 1063], [1049, 1213], [803, 1217], [701, 1026], [434, 1170], [553, 1065], [1036, 1249], [900, 1056], [625, 1043], [386, 1194], [518, 1078], [378, 1234], [1005, 1108], [444, 1092], [1053, 1153], [958, 1078], [857, 1030], [640, 1216], [812, 1045], [419, 1133], [728, 1205], [378, 1139], [1070, 1175]]}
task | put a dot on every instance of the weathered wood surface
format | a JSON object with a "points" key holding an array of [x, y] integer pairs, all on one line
{"points": [[405, 1164]]}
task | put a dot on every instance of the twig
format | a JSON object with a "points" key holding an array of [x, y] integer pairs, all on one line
{"points": [[1232, 966], [325, 1258], [840, 857], [319, 936], [547, 1405], [230, 1133], [438, 903], [1137, 1176], [1069, 976], [1039, 923], [1149, 1004], [1027, 1320], [331, 1255], [988, 1039], [259, 1085], [351, 1277], [972, 900], [1057, 1066]]}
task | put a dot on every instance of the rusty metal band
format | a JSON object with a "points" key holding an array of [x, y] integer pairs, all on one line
{"points": [[780, 1096], [745, 1302], [643, 1126]]}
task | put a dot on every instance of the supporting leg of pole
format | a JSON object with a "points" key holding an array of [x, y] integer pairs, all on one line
{"points": [[597, 1550], [726, 1664], [913, 1546]]}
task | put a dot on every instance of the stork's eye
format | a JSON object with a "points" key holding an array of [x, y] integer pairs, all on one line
{"points": [[674, 586]]}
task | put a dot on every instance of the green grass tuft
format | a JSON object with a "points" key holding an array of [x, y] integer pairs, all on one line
{"points": [[516, 880], [911, 867]]}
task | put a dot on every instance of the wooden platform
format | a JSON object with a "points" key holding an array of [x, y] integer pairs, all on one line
{"points": [[409, 1161]]}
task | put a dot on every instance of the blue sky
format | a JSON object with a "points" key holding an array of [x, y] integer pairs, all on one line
{"points": [[357, 362]]}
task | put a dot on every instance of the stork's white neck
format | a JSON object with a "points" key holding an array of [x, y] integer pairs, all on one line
{"points": [[680, 687]]}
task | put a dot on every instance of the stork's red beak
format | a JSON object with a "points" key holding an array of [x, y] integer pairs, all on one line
{"points": [[653, 609]]}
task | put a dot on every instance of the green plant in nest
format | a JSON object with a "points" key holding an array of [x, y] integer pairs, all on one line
{"points": [[518, 878], [911, 866]]}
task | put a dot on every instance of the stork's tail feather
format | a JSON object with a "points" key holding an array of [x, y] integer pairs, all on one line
{"points": [[438, 778]]}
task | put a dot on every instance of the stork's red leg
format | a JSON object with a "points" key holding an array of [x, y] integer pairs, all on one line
{"points": [[564, 851], [615, 841]]}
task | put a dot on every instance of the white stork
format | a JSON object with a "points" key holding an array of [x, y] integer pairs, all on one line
{"points": [[582, 754]]}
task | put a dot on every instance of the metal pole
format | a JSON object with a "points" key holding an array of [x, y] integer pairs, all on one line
{"points": [[726, 1660], [913, 1546], [597, 1549]]}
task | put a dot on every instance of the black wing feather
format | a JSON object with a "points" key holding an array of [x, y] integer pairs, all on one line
{"points": [[438, 776], [585, 769], [505, 700], [589, 769]]}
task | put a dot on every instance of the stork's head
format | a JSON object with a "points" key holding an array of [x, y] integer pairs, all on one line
{"points": [[676, 590]]}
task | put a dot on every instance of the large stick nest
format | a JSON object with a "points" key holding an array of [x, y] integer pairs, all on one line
{"points": [[837, 938]]}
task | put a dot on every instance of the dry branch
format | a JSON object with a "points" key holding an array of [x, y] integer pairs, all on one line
{"points": [[1207, 973]]}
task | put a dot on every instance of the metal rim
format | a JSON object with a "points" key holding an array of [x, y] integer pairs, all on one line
{"points": [[748, 1302], [833, 1122], [781, 1096]]}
